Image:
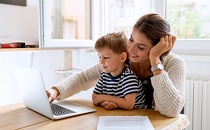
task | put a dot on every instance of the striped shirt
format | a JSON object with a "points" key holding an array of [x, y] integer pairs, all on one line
{"points": [[125, 83]]}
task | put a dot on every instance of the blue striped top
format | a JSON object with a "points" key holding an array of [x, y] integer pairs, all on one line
{"points": [[125, 83]]}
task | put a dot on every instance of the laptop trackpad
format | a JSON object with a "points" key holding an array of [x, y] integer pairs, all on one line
{"points": [[74, 106]]}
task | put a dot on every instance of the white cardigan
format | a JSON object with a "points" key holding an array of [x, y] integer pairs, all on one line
{"points": [[169, 86]]}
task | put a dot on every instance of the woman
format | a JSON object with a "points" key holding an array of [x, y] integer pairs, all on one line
{"points": [[162, 73]]}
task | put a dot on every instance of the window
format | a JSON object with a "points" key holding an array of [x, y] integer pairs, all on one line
{"points": [[65, 23], [189, 20], [122, 14], [68, 22]]}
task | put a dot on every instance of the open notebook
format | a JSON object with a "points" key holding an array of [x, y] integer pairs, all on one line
{"points": [[31, 85]]}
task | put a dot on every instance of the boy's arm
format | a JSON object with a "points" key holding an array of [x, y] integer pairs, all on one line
{"points": [[127, 102], [93, 96], [106, 104]]}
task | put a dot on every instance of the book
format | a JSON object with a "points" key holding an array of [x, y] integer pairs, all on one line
{"points": [[13, 45], [31, 46]]}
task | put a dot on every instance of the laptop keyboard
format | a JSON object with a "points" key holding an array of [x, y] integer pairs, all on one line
{"points": [[59, 110]]}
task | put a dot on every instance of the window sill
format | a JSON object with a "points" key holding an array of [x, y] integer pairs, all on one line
{"points": [[192, 47]]}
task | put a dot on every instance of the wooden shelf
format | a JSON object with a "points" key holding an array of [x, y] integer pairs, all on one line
{"points": [[18, 49], [29, 49]]}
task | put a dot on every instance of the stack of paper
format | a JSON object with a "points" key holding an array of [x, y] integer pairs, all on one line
{"points": [[124, 123]]}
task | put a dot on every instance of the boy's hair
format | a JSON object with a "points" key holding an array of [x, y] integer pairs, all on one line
{"points": [[116, 41]]}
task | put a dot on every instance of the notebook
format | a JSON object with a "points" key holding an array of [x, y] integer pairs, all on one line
{"points": [[31, 86]]}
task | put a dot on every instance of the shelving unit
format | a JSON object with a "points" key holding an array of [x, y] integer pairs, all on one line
{"points": [[18, 49]]}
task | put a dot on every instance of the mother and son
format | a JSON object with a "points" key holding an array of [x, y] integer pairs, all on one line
{"points": [[136, 72]]}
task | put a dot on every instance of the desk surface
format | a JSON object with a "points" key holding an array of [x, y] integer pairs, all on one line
{"points": [[17, 116]]}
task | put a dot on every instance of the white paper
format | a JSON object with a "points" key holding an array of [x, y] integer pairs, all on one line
{"points": [[124, 123]]}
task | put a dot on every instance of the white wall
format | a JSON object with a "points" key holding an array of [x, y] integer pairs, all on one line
{"points": [[46, 61], [197, 66], [21, 23]]}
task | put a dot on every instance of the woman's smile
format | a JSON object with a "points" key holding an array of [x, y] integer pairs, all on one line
{"points": [[133, 56]]}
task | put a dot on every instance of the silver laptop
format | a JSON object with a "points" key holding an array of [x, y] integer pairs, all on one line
{"points": [[31, 85]]}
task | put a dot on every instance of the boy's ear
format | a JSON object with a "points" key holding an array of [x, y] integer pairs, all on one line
{"points": [[123, 56]]}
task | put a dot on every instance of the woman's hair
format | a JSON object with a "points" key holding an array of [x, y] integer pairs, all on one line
{"points": [[153, 26], [116, 41]]}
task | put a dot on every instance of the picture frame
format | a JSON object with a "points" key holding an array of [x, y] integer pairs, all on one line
{"points": [[14, 2]]}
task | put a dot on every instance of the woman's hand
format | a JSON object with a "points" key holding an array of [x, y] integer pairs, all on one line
{"points": [[165, 44], [52, 94]]}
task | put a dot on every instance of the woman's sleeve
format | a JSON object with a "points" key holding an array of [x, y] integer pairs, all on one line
{"points": [[78, 82], [169, 87]]}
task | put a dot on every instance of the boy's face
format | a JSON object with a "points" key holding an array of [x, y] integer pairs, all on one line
{"points": [[110, 62]]}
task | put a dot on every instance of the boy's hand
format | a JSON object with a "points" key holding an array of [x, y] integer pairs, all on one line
{"points": [[109, 105]]}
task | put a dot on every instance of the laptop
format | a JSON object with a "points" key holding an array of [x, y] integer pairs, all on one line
{"points": [[31, 86]]}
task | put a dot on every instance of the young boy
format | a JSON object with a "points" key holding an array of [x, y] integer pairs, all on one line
{"points": [[118, 83]]}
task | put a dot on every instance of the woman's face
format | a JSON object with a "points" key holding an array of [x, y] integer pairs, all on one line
{"points": [[138, 47]]}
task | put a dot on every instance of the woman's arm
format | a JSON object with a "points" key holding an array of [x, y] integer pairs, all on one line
{"points": [[78, 82], [169, 86]]}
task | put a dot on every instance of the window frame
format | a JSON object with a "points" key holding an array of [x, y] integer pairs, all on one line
{"points": [[186, 46], [45, 31], [182, 46]]}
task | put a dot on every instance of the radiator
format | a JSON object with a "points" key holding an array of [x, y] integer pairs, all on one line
{"points": [[197, 106]]}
